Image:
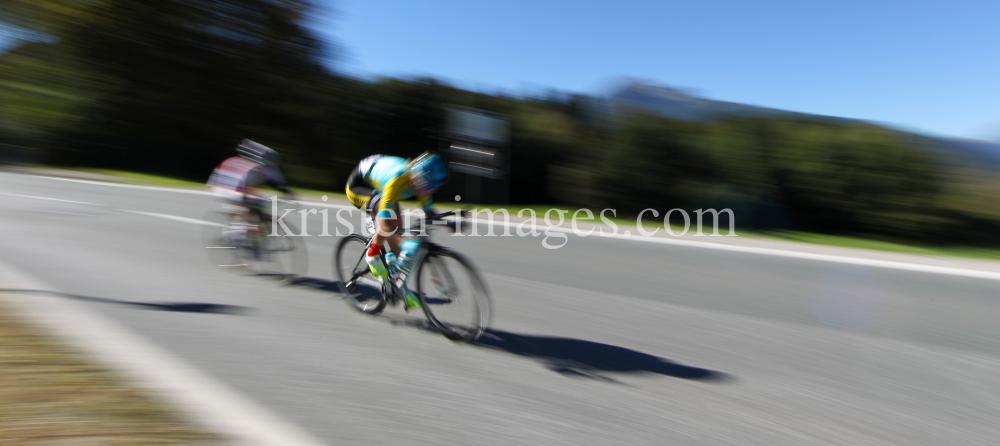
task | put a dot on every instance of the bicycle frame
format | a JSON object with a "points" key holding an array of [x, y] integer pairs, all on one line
{"points": [[436, 291], [391, 288], [241, 238]]}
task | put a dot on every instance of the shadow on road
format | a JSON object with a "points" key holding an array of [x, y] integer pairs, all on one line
{"points": [[363, 291], [567, 356], [182, 307], [577, 357], [330, 286]]}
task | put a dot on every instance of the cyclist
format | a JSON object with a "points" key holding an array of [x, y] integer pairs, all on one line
{"points": [[379, 183], [238, 179]]}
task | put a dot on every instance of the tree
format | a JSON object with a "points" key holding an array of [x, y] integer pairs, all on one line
{"points": [[176, 83]]}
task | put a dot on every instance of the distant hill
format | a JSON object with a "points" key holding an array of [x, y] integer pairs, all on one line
{"points": [[678, 104], [674, 103], [983, 154]]}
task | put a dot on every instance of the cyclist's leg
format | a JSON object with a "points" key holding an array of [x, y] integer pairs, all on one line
{"points": [[232, 201], [257, 211], [252, 232], [388, 228], [365, 198], [257, 205]]}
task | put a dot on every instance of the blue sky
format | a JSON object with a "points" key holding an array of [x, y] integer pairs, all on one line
{"points": [[928, 66]]}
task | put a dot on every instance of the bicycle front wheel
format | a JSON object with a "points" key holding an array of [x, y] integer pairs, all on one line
{"points": [[361, 289], [453, 295]]}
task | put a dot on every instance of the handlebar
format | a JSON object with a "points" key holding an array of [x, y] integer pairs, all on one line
{"points": [[461, 213]]}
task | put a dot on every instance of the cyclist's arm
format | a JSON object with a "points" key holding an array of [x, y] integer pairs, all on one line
{"points": [[280, 188], [427, 204], [274, 179]]}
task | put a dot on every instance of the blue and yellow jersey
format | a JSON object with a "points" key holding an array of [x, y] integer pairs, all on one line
{"points": [[390, 176]]}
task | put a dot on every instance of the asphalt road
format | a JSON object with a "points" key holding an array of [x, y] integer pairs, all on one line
{"points": [[603, 341]]}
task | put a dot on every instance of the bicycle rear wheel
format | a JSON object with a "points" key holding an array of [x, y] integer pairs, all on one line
{"points": [[453, 295], [361, 289], [219, 239], [279, 253]]}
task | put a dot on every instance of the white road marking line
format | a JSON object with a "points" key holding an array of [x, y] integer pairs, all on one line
{"points": [[149, 214], [328, 205], [193, 221], [858, 261], [180, 191], [49, 199], [205, 399], [888, 264], [129, 186]]}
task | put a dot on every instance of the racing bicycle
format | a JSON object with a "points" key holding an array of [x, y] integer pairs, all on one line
{"points": [[450, 290], [238, 240]]}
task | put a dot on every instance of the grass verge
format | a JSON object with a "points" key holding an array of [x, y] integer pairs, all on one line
{"points": [[50, 394], [879, 245], [651, 225], [158, 180], [140, 178]]}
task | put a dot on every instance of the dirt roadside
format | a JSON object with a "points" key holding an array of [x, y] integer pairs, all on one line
{"points": [[51, 394]]}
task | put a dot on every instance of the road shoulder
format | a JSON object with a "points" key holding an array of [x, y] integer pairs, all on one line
{"points": [[199, 398]]}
